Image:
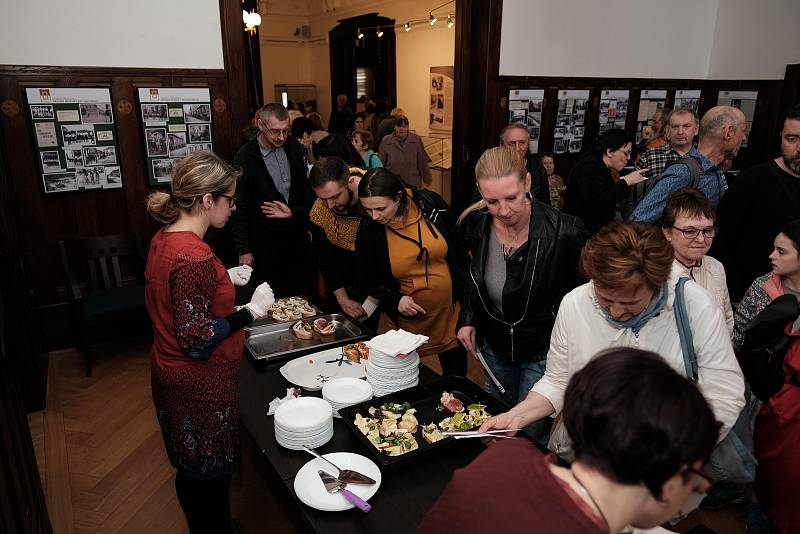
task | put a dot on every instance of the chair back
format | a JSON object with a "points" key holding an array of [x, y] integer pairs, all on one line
{"points": [[110, 260]]}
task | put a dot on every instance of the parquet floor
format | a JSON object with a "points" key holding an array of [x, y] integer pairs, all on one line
{"points": [[104, 468]]}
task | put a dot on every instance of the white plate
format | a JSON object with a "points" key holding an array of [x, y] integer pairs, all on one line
{"points": [[311, 372], [311, 491], [345, 391], [303, 414]]}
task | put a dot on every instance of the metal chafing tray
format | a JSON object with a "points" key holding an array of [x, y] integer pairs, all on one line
{"points": [[277, 341]]}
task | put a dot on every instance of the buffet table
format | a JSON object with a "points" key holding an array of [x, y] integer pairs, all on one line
{"points": [[406, 492]]}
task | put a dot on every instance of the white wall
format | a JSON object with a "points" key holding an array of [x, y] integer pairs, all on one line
{"points": [[715, 39], [112, 33], [755, 40], [611, 38]]}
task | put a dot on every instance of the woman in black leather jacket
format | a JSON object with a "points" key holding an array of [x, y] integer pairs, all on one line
{"points": [[524, 260]]}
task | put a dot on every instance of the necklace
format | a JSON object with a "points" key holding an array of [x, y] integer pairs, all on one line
{"points": [[594, 502], [508, 246]]}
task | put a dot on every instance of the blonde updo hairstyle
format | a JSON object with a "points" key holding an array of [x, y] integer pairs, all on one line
{"points": [[496, 163], [193, 177]]}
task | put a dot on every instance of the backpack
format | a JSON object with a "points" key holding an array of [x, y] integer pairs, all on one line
{"points": [[640, 190]]}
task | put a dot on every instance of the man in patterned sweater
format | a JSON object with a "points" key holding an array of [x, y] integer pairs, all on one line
{"points": [[333, 223], [683, 127]]}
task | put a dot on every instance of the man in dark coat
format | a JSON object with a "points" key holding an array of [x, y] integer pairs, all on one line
{"points": [[342, 117], [273, 198]]}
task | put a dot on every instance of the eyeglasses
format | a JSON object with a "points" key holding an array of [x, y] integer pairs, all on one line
{"points": [[231, 200], [692, 233], [709, 479], [278, 133]]}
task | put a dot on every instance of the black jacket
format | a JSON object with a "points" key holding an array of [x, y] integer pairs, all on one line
{"points": [[265, 238], [372, 252], [538, 275], [591, 193]]}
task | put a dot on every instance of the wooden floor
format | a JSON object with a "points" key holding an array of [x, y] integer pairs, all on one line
{"points": [[104, 468]]}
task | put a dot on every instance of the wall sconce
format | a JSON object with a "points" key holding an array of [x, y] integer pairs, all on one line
{"points": [[252, 21]]}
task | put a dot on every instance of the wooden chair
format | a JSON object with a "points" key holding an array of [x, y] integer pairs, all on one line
{"points": [[108, 295]]}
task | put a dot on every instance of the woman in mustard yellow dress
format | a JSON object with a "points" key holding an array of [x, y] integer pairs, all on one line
{"points": [[411, 256]]}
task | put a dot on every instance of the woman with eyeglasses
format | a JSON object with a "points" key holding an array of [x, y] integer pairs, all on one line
{"points": [[593, 186], [688, 224], [638, 458], [198, 337], [524, 257], [777, 427], [630, 302], [411, 257]]}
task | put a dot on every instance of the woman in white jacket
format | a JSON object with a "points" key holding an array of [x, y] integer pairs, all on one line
{"points": [[629, 302]]}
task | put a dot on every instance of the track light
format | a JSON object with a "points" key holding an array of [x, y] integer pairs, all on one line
{"points": [[450, 21], [432, 19], [407, 26], [360, 34], [379, 33]]}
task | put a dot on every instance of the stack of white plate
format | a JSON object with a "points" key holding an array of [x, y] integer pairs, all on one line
{"points": [[343, 392], [387, 374], [303, 421]]}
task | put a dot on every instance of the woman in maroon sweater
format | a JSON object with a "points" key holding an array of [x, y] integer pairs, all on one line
{"points": [[197, 337], [641, 433]]}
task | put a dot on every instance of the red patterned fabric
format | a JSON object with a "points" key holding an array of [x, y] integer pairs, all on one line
{"points": [[196, 401]]}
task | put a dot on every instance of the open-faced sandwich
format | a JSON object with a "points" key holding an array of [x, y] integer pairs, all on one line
{"points": [[303, 330], [355, 352], [390, 428], [324, 327], [473, 417], [431, 433]]}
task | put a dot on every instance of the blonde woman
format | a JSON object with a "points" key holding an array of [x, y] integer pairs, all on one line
{"points": [[197, 337], [524, 257]]}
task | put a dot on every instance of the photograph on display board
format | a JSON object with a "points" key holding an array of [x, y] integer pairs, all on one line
{"points": [[613, 109], [162, 169], [100, 155], [96, 113], [200, 146], [113, 176], [155, 113], [199, 133], [68, 115], [104, 136], [42, 111], [197, 113], [177, 145], [78, 135], [156, 142], [90, 177], [568, 133], [74, 157], [59, 182], [51, 162]]}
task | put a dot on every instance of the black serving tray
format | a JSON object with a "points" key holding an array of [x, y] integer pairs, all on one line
{"points": [[425, 398]]}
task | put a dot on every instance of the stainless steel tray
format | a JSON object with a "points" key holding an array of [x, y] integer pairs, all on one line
{"points": [[269, 320], [276, 340]]}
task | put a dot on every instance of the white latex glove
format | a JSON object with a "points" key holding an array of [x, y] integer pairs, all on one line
{"points": [[261, 301], [240, 275]]}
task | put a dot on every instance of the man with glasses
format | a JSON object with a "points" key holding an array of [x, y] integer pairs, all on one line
{"points": [[273, 197], [722, 131]]}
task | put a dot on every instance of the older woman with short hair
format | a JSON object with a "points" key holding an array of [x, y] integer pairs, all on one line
{"points": [[630, 302], [688, 224]]}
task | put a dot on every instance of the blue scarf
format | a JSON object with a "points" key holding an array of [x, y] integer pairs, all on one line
{"points": [[636, 322]]}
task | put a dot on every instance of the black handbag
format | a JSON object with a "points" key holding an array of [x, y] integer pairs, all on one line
{"points": [[765, 345]]}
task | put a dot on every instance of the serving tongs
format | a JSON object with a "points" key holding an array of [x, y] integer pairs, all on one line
{"points": [[347, 476], [489, 372], [486, 434]]}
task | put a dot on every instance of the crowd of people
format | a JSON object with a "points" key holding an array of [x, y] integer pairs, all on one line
{"points": [[615, 333]]}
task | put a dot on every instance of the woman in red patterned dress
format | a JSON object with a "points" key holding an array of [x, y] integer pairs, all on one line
{"points": [[198, 337]]}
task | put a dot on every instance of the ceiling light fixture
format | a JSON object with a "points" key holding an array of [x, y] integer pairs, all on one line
{"points": [[432, 19], [360, 34], [407, 26], [450, 21], [379, 33]]}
